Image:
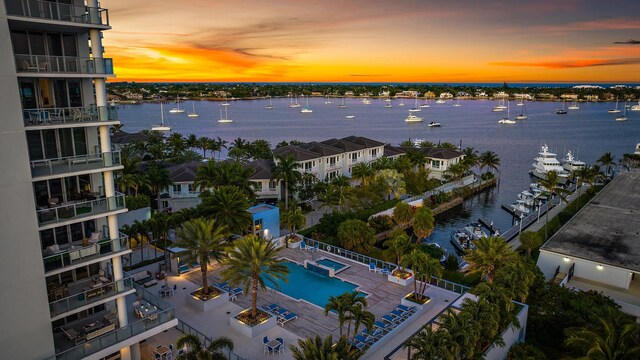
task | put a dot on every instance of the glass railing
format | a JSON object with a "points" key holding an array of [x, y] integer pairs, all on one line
{"points": [[63, 64], [116, 336], [90, 295], [67, 115], [70, 211], [74, 163], [51, 10], [75, 255], [206, 341]]}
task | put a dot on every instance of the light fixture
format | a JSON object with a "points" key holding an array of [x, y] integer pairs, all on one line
{"points": [[599, 267], [566, 259]]}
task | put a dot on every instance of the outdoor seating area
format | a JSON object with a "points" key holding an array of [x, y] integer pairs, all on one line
{"points": [[273, 346], [233, 293], [283, 315], [164, 352], [304, 246], [166, 290], [86, 329], [145, 310], [374, 268], [381, 328]]}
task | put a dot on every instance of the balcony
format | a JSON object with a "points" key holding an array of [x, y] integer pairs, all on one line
{"points": [[89, 293], [353, 160], [78, 210], [69, 116], [38, 65], [76, 255], [56, 11], [98, 335], [80, 164], [334, 165]]}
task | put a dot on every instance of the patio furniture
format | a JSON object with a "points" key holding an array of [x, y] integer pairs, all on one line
{"points": [[271, 308], [286, 318], [271, 346], [362, 339], [303, 245], [163, 351], [372, 267], [281, 311], [314, 248], [384, 271], [401, 307]]}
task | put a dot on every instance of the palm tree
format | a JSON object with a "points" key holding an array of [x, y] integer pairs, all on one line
{"points": [[423, 223], [403, 214], [203, 241], [489, 159], [461, 332], [360, 316], [229, 206], [457, 171], [516, 277], [612, 336], [485, 317], [362, 172], [319, 349], [550, 182], [355, 302], [607, 160], [382, 163], [397, 245], [251, 264], [530, 240], [192, 141], [424, 268], [429, 345], [176, 143], [159, 179], [471, 158], [491, 253], [293, 219], [286, 170], [393, 182], [339, 305], [403, 164], [116, 128], [204, 144], [356, 235], [218, 144], [198, 352]]}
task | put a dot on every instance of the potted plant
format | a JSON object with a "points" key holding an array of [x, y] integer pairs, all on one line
{"points": [[400, 276], [293, 240], [397, 245], [203, 242], [251, 264], [424, 267]]}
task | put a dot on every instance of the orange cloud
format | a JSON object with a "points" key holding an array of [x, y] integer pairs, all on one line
{"points": [[570, 64]]}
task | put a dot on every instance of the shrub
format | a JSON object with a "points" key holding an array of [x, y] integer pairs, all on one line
{"points": [[139, 201], [381, 223]]}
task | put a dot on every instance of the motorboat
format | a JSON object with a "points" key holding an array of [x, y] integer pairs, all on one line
{"points": [[161, 126], [461, 241], [616, 110], [635, 107], [434, 124], [350, 117], [527, 198], [413, 118], [519, 208], [546, 161], [440, 101], [571, 164], [366, 101], [388, 106], [418, 142]]}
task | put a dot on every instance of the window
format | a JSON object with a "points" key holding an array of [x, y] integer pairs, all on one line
{"points": [[258, 185], [307, 166], [177, 188], [435, 164], [192, 188], [273, 184]]}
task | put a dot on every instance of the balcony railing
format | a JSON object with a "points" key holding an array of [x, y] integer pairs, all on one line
{"points": [[80, 209], [63, 64], [51, 10], [74, 164], [79, 254], [90, 295], [69, 115], [165, 314]]}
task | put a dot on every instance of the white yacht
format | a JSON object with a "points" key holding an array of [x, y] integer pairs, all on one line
{"points": [[440, 101], [161, 126], [366, 101], [350, 117], [388, 106], [176, 110], [546, 161], [527, 198], [571, 164], [307, 109], [413, 118], [635, 107], [418, 142], [507, 120], [519, 207], [225, 119]]}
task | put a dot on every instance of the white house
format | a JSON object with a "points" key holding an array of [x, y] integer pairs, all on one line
{"points": [[183, 193], [599, 248], [439, 160]]}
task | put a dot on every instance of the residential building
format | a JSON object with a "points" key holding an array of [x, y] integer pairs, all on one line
{"points": [[373, 150], [265, 221], [393, 152], [446, 95], [599, 248], [439, 160], [407, 94], [267, 189], [183, 193], [65, 293], [569, 96]]}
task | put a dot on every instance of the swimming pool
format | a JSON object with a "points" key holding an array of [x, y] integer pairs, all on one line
{"points": [[332, 264], [309, 286]]}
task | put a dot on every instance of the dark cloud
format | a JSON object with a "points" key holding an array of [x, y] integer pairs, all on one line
{"points": [[628, 42]]}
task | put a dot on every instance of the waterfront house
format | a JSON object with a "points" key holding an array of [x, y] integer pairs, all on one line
{"points": [[183, 193], [439, 160]]}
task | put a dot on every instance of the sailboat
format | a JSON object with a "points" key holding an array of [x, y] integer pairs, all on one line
{"points": [[161, 126], [342, 105], [415, 108], [623, 117], [292, 104], [193, 114], [270, 106], [425, 104], [306, 109], [506, 120], [574, 106], [561, 111], [366, 101], [327, 101], [224, 102], [176, 110], [616, 110], [521, 102], [500, 107], [401, 103], [225, 119], [523, 114], [457, 104]]}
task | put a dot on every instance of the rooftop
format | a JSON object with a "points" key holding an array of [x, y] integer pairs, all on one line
{"points": [[185, 172], [441, 153], [346, 146], [322, 149], [298, 153], [261, 207], [366, 142], [261, 169], [607, 229]]}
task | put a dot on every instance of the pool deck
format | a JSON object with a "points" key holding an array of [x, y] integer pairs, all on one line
{"points": [[383, 297]]}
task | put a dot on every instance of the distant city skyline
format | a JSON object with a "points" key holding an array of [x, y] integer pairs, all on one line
{"points": [[375, 41]]}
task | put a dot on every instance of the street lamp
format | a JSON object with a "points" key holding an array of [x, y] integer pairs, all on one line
{"points": [[539, 207], [521, 217]]}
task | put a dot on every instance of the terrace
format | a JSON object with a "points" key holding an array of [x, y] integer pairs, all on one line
{"points": [[74, 210], [382, 297], [75, 165]]}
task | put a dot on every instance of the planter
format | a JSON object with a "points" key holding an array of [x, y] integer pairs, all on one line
{"points": [[255, 330], [206, 305], [400, 281], [406, 302], [295, 245]]}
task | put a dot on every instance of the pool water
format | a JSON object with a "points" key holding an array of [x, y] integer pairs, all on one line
{"points": [[332, 264], [307, 285]]}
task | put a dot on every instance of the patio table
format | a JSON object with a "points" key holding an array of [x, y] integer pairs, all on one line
{"points": [[92, 326]]}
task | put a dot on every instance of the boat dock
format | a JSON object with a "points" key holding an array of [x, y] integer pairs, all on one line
{"points": [[489, 225], [527, 221]]}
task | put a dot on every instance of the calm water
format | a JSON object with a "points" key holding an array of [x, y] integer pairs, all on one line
{"points": [[588, 132]]}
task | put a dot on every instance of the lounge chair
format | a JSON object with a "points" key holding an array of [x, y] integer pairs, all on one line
{"points": [[358, 345], [390, 319], [223, 286], [372, 267], [384, 271], [303, 245], [281, 311], [403, 308], [286, 318], [376, 333], [271, 308], [397, 314], [364, 340], [314, 248], [382, 326]]}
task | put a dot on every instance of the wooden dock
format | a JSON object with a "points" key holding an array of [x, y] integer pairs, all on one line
{"points": [[489, 225]]}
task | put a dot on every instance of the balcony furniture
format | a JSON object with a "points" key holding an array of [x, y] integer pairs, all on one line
{"points": [[99, 331], [141, 276], [145, 310], [150, 283], [53, 202], [163, 352], [66, 212], [161, 275]]}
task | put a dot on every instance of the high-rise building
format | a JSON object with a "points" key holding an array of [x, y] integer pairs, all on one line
{"points": [[63, 292]]}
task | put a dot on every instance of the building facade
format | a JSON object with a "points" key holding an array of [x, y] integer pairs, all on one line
{"points": [[65, 288]]}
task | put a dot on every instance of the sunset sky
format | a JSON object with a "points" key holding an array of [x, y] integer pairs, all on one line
{"points": [[374, 41]]}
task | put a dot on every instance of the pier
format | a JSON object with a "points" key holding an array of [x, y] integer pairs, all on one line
{"points": [[489, 225]]}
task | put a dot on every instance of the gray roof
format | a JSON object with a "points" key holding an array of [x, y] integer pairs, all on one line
{"points": [[261, 169], [185, 172], [441, 153], [346, 146], [322, 149], [607, 229], [390, 150], [298, 153], [366, 142]]}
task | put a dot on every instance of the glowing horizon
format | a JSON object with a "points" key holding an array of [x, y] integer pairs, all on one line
{"points": [[374, 41]]}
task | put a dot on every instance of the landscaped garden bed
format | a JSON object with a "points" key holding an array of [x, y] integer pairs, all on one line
{"points": [[206, 302], [252, 326], [400, 277]]}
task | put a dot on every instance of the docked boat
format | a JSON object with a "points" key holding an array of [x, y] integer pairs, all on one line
{"points": [[571, 164], [161, 126], [546, 161], [519, 208], [176, 110], [434, 124], [463, 238], [193, 114], [413, 118], [350, 117], [635, 107], [527, 198], [616, 110]]}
